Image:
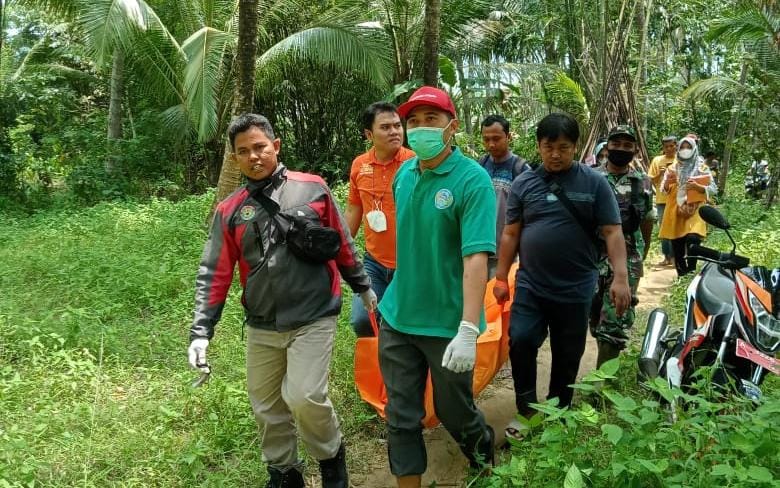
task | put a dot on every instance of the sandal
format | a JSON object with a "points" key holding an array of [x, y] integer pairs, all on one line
{"points": [[516, 430]]}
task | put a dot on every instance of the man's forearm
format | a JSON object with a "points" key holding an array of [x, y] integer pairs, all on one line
{"points": [[616, 250], [474, 281], [353, 216], [507, 250]]}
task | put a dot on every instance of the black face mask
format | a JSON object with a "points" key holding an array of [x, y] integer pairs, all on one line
{"points": [[620, 158]]}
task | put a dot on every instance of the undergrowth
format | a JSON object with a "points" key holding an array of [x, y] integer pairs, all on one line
{"points": [[95, 389]]}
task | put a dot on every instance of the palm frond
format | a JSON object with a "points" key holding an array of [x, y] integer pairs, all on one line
{"points": [[67, 72], [567, 94], [717, 87], [62, 8], [458, 13], [338, 46], [204, 51], [29, 58], [745, 23], [160, 63], [109, 23], [176, 118]]}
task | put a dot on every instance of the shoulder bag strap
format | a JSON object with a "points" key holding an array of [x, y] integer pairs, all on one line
{"points": [[556, 189]]}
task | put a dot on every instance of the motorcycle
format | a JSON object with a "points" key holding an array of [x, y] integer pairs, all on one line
{"points": [[757, 179], [731, 323]]}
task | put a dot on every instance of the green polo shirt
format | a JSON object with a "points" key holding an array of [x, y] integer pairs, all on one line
{"points": [[442, 215]]}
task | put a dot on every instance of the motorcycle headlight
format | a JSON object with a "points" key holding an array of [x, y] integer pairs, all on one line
{"points": [[767, 327]]}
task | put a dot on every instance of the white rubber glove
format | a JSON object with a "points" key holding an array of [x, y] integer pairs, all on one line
{"points": [[197, 354], [369, 299], [461, 352]]}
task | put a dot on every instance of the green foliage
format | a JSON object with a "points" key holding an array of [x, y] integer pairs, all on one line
{"points": [[94, 383], [567, 95], [625, 438], [320, 131], [623, 435]]}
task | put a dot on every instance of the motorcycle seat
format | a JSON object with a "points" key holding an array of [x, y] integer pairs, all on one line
{"points": [[715, 291]]}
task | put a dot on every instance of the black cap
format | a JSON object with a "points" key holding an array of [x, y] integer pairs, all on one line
{"points": [[622, 130]]}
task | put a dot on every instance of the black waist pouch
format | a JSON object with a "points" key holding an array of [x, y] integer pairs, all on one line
{"points": [[308, 240]]}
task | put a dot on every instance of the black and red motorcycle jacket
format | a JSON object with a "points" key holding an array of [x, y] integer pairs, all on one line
{"points": [[280, 291]]}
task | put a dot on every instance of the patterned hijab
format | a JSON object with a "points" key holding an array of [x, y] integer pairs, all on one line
{"points": [[686, 168]]}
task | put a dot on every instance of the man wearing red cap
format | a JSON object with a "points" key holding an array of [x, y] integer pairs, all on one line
{"points": [[432, 311]]}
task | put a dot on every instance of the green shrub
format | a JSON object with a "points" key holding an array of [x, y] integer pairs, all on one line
{"points": [[628, 440]]}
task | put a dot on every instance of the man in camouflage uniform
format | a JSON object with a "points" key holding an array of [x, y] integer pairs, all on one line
{"points": [[633, 190]]}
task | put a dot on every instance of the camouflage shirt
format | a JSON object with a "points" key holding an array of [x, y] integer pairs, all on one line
{"points": [[621, 185]]}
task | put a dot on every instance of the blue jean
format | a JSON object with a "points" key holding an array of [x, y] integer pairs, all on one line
{"points": [[666, 244], [380, 279]]}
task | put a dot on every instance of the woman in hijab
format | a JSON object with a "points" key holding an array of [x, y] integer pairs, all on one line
{"points": [[599, 155], [689, 183]]}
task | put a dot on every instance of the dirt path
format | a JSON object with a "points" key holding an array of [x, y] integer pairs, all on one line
{"points": [[446, 465]]}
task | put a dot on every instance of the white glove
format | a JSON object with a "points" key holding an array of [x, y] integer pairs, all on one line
{"points": [[369, 299], [461, 352], [197, 354]]}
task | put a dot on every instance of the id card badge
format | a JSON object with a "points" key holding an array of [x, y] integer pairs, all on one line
{"points": [[377, 220]]}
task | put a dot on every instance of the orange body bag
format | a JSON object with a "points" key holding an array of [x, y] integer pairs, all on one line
{"points": [[492, 353]]}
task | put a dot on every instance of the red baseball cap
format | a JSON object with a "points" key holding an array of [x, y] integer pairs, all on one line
{"points": [[427, 95]]}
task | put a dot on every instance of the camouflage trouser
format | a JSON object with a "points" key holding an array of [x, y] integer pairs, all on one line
{"points": [[605, 325]]}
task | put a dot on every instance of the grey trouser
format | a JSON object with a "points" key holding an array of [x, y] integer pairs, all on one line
{"points": [[404, 360], [287, 381]]}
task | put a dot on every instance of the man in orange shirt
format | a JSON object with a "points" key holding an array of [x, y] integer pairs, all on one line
{"points": [[371, 199]]}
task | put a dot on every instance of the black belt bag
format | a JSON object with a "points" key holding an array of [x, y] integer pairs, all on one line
{"points": [[306, 239]]}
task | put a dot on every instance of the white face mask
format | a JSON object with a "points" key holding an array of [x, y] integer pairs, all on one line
{"points": [[685, 154], [376, 219]]}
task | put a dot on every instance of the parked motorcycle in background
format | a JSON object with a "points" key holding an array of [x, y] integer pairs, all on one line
{"points": [[731, 323], [757, 179]]}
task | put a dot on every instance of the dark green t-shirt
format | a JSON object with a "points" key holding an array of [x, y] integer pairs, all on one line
{"points": [[442, 215]]}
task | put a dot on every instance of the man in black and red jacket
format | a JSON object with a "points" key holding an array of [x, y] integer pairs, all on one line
{"points": [[291, 302]]}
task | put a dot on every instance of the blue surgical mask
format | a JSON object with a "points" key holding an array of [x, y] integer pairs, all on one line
{"points": [[427, 142]]}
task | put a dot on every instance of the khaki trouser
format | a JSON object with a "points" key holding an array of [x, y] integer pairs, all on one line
{"points": [[287, 381]]}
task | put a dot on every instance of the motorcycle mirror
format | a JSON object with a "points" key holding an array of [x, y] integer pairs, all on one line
{"points": [[712, 216]]}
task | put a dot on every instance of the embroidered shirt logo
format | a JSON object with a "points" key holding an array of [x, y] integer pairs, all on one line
{"points": [[247, 212], [443, 199]]}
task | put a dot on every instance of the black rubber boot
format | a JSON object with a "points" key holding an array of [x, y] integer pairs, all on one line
{"points": [[287, 478], [607, 351], [334, 470], [484, 459]]}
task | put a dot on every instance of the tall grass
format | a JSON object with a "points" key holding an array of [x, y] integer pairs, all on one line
{"points": [[95, 307], [94, 383]]}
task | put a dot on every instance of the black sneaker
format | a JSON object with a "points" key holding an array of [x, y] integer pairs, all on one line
{"points": [[334, 470], [289, 478]]}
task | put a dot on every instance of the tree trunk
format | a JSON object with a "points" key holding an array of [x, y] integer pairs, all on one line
{"points": [[464, 90], [431, 42], [115, 109], [724, 169], [2, 29], [246, 56]]}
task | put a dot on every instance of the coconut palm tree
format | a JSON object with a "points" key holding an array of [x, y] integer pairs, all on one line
{"points": [[753, 28], [431, 42], [338, 36], [108, 30]]}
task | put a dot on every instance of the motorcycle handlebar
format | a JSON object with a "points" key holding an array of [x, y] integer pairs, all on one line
{"points": [[724, 258]]}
